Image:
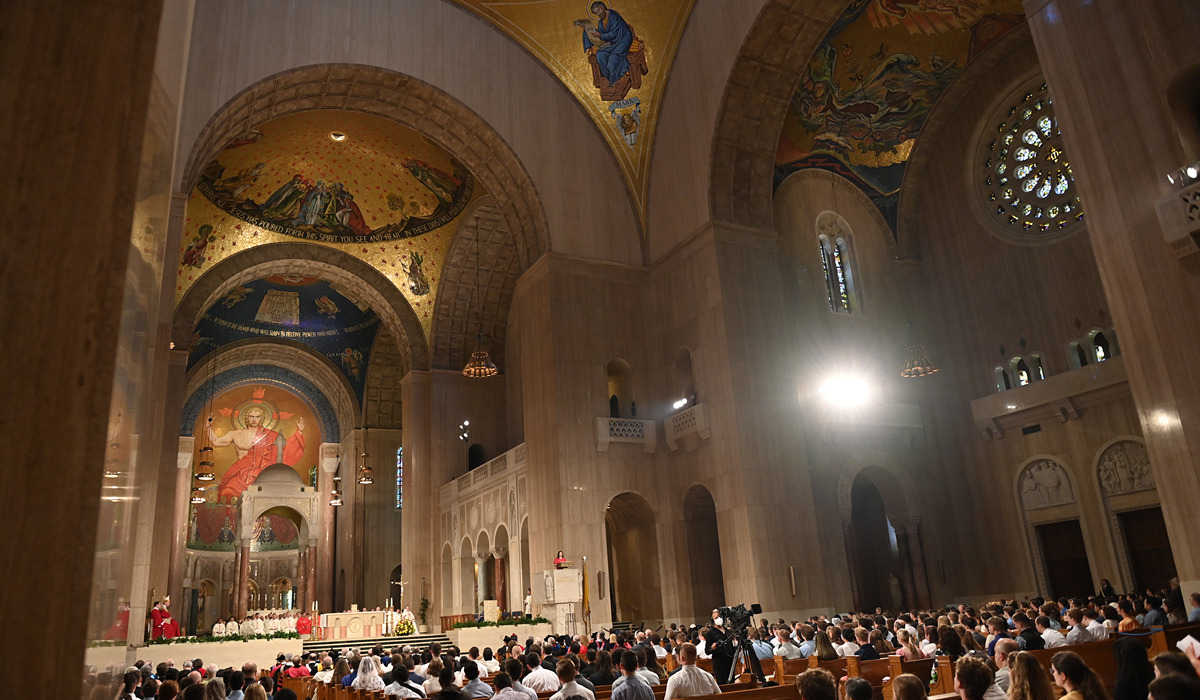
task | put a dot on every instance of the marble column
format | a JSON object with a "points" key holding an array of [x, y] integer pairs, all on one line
{"points": [[480, 581], [323, 580], [243, 577], [311, 578], [500, 552], [1125, 101], [302, 580], [237, 579]]}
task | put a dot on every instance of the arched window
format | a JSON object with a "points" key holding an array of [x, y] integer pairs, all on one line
{"points": [[685, 386], [1035, 364], [1076, 354], [1100, 347], [833, 236], [1002, 380], [1024, 376], [399, 478], [620, 388]]}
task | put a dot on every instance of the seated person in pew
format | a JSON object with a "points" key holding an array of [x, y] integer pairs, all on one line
{"points": [[1005, 648], [1052, 637], [570, 689], [972, 678], [906, 686], [402, 686], [513, 667], [816, 684], [858, 689], [1174, 687], [505, 690], [1173, 662], [475, 687], [691, 680], [1095, 626], [633, 687], [1027, 679], [1073, 676], [866, 650]]}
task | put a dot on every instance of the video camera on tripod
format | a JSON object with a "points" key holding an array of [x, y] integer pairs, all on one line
{"points": [[737, 621]]}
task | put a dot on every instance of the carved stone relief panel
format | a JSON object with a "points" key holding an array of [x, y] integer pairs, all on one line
{"points": [[1124, 468], [1045, 483]]}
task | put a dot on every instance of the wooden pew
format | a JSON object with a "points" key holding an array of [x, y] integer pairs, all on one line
{"points": [[921, 668], [945, 677], [786, 670], [605, 691], [872, 670]]}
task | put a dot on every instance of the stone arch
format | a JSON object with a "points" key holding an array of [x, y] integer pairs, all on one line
{"points": [[702, 530], [382, 406], [301, 359], [462, 309], [275, 375], [402, 99], [446, 603], [764, 76], [467, 576], [1047, 494], [306, 259], [631, 530], [1124, 482], [945, 109], [897, 488], [840, 195]]}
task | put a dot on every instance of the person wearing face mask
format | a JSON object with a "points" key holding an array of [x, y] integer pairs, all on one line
{"points": [[716, 642]]}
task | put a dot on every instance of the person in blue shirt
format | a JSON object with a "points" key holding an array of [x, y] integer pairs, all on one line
{"points": [[634, 687]]}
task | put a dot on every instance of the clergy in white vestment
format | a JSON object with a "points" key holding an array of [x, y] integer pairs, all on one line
{"points": [[232, 628]]}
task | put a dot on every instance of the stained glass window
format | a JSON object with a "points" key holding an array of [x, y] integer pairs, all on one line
{"points": [[1027, 177], [399, 478], [832, 234]]}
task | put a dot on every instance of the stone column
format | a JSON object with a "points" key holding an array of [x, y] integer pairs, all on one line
{"points": [[480, 581], [183, 507], [302, 579], [500, 551], [311, 577], [906, 569], [243, 579], [1114, 70], [323, 580], [236, 588], [851, 562], [917, 559]]}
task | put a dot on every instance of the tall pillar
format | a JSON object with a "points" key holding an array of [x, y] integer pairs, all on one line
{"points": [[302, 579], [851, 562], [243, 578], [500, 552], [1110, 68], [323, 591], [182, 500], [311, 578], [237, 579], [906, 570], [917, 558], [480, 581]]}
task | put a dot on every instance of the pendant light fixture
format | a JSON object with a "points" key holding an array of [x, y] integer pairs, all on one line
{"points": [[204, 469], [335, 496], [480, 366], [917, 362], [366, 476]]}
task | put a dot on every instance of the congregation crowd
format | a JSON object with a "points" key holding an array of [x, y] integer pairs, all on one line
{"points": [[987, 647]]}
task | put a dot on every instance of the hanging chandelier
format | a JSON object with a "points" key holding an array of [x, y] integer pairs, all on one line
{"points": [[918, 363], [480, 366], [197, 494], [366, 476], [204, 468], [336, 495]]}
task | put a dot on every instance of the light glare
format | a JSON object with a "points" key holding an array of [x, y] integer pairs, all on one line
{"points": [[847, 391]]}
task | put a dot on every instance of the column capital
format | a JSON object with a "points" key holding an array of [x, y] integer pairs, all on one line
{"points": [[500, 551], [187, 447], [329, 457]]}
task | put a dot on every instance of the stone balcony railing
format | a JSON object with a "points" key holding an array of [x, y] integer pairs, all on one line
{"points": [[632, 430], [692, 420], [486, 474], [1179, 216], [1058, 397]]}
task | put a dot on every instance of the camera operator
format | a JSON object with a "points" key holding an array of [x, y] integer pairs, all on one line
{"points": [[720, 645]]}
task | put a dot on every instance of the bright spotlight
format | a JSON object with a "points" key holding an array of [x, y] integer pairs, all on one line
{"points": [[847, 391], [679, 404]]}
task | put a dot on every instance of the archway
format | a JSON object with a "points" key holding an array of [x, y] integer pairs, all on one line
{"points": [[634, 577], [447, 602], [876, 553], [485, 571], [620, 388], [500, 548], [704, 551], [467, 582], [476, 456]]}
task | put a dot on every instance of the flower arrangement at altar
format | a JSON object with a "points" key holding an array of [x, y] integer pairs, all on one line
{"points": [[405, 627]]}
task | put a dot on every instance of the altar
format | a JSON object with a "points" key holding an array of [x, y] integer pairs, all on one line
{"points": [[357, 624]]}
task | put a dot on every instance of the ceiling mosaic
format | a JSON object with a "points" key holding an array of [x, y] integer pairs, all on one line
{"points": [[614, 56], [307, 310], [870, 85], [356, 182]]}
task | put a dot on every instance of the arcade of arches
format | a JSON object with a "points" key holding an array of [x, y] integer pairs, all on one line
{"points": [[286, 251]]}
